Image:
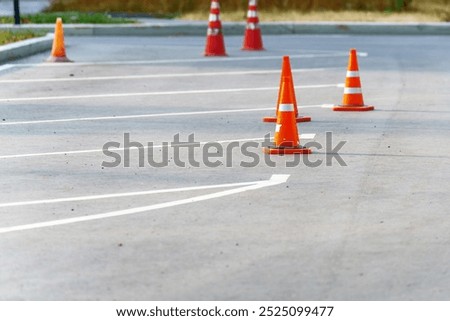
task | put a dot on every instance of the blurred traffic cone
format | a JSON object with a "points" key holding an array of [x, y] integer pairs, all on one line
{"points": [[252, 37], [58, 50], [353, 97], [287, 140], [287, 72], [215, 45]]}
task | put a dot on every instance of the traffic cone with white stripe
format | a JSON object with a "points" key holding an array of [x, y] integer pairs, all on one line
{"points": [[252, 37], [215, 45], [287, 140], [353, 97], [58, 49], [287, 72]]}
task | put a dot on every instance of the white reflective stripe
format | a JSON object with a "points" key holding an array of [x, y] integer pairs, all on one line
{"points": [[277, 128], [215, 5], [352, 74], [252, 3], [286, 107], [252, 26], [213, 17], [213, 31], [251, 14], [350, 90]]}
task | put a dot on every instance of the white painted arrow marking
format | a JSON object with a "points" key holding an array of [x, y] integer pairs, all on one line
{"points": [[118, 195], [274, 180]]}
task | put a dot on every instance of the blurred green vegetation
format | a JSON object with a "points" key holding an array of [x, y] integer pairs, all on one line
{"points": [[441, 8], [10, 36], [67, 17]]}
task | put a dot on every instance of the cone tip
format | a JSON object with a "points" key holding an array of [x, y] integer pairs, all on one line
{"points": [[286, 66]]}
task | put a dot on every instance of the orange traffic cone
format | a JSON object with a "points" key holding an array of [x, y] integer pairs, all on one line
{"points": [[58, 49], [252, 37], [287, 72], [353, 97], [287, 140], [215, 45]]}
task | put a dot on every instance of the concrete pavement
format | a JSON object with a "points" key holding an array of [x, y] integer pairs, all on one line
{"points": [[376, 229]]}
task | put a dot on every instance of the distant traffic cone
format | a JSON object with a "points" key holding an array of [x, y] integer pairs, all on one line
{"points": [[252, 37], [58, 50], [215, 45], [353, 97], [287, 140], [287, 72]]}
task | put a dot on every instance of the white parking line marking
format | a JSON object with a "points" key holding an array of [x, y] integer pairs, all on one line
{"points": [[176, 61], [6, 67], [197, 113], [162, 93], [155, 76], [87, 151], [274, 180], [120, 195]]}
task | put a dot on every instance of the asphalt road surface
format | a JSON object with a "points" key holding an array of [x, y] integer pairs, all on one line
{"points": [[72, 228]]}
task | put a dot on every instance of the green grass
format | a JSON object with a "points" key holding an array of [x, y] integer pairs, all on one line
{"points": [[10, 37], [68, 17]]}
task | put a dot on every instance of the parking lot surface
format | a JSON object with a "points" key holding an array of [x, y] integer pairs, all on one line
{"points": [[72, 228]]}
